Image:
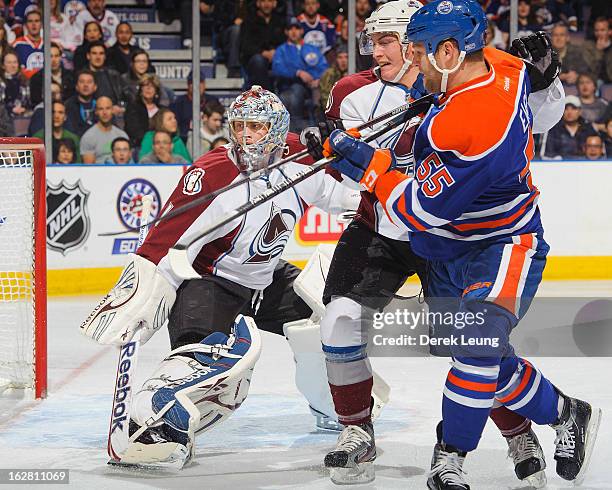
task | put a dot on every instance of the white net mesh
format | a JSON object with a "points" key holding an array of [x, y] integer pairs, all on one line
{"points": [[16, 269]]}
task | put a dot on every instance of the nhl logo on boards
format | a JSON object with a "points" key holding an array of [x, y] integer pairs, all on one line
{"points": [[129, 202], [445, 7], [68, 222]]}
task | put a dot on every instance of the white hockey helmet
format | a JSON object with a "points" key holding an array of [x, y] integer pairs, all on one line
{"points": [[258, 105], [390, 17]]}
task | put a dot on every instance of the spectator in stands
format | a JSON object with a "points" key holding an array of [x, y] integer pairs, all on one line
{"points": [[92, 32], [96, 141], [59, 131], [607, 137], [227, 17], [211, 127], [119, 55], [567, 137], [593, 107], [97, 12], [217, 142], [109, 82], [259, 36], [527, 22], [30, 46], [140, 65], [164, 120], [183, 105], [37, 120], [63, 31], [66, 152], [598, 53], [570, 55], [14, 90], [318, 29], [81, 107], [332, 75], [363, 62], [121, 152], [562, 11], [298, 68], [140, 112], [59, 74], [5, 43], [6, 123], [162, 150], [593, 148]]}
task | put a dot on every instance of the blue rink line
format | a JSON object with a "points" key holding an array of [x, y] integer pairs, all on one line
{"points": [[262, 421]]}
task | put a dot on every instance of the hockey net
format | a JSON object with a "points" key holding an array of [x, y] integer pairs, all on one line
{"points": [[23, 351]]}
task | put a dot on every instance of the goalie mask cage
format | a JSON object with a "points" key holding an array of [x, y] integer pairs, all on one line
{"points": [[23, 291]]}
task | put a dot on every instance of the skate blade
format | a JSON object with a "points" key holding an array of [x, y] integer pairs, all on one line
{"points": [[164, 456], [591, 437], [537, 480], [327, 424], [362, 473]]}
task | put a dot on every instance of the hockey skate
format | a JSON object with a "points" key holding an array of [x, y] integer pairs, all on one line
{"points": [[447, 469], [352, 461], [528, 458], [576, 434]]}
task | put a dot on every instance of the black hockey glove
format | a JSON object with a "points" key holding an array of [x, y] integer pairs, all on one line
{"points": [[313, 137], [541, 59]]}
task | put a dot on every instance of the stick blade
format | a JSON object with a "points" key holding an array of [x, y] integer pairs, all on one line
{"points": [[180, 264]]}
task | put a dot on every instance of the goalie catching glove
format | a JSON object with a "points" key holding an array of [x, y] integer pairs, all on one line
{"points": [[357, 160], [141, 300]]}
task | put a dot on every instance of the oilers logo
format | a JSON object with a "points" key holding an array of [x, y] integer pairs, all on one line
{"points": [[129, 202], [270, 240]]}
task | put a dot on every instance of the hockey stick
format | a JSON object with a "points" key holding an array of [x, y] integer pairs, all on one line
{"points": [[179, 261], [423, 103], [119, 430]]}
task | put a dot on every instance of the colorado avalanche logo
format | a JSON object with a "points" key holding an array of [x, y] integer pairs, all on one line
{"points": [[270, 240], [129, 202]]}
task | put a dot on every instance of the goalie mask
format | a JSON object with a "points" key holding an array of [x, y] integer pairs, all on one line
{"points": [[259, 123], [391, 17]]}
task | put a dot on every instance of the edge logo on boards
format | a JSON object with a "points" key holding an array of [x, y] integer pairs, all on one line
{"points": [[68, 222]]}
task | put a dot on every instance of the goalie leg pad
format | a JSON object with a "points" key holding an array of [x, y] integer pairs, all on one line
{"points": [[195, 388], [141, 300]]}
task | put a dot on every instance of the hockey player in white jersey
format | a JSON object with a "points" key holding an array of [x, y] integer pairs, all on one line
{"points": [[374, 257], [214, 348]]}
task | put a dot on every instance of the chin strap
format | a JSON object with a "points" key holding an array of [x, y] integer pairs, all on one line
{"points": [[405, 66], [445, 71]]}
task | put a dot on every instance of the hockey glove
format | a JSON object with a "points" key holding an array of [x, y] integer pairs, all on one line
{"points": [[312, 137], [358, 160], [541, 59]]}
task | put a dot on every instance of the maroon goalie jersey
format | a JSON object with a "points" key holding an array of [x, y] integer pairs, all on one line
{"points": [[247, 249]]}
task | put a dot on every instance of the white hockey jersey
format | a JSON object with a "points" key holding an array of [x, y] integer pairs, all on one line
{"points": [[362, 96], [247, 249]]}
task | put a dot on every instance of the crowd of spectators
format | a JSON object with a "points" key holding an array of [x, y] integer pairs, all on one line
{"points": [[109, 106]]}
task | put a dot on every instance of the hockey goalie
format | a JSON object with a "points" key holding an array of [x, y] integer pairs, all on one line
{"points": [[213, 322]]}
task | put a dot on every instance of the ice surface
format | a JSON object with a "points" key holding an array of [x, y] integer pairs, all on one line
{"points": [[270, 443]]}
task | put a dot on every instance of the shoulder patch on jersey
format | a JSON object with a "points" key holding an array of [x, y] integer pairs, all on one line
{"points": [[192, 181], [476, 119]]}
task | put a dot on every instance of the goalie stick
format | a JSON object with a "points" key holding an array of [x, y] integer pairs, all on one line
{"points": [[179, 260], [119, 430], [418, 106]]}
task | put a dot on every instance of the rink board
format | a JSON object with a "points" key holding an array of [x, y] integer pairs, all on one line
{"points": [[87, 201]]}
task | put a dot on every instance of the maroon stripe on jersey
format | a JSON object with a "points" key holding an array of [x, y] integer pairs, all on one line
{"points": [[353, 399], [219, 171], [205, 261], [344, 87]]}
